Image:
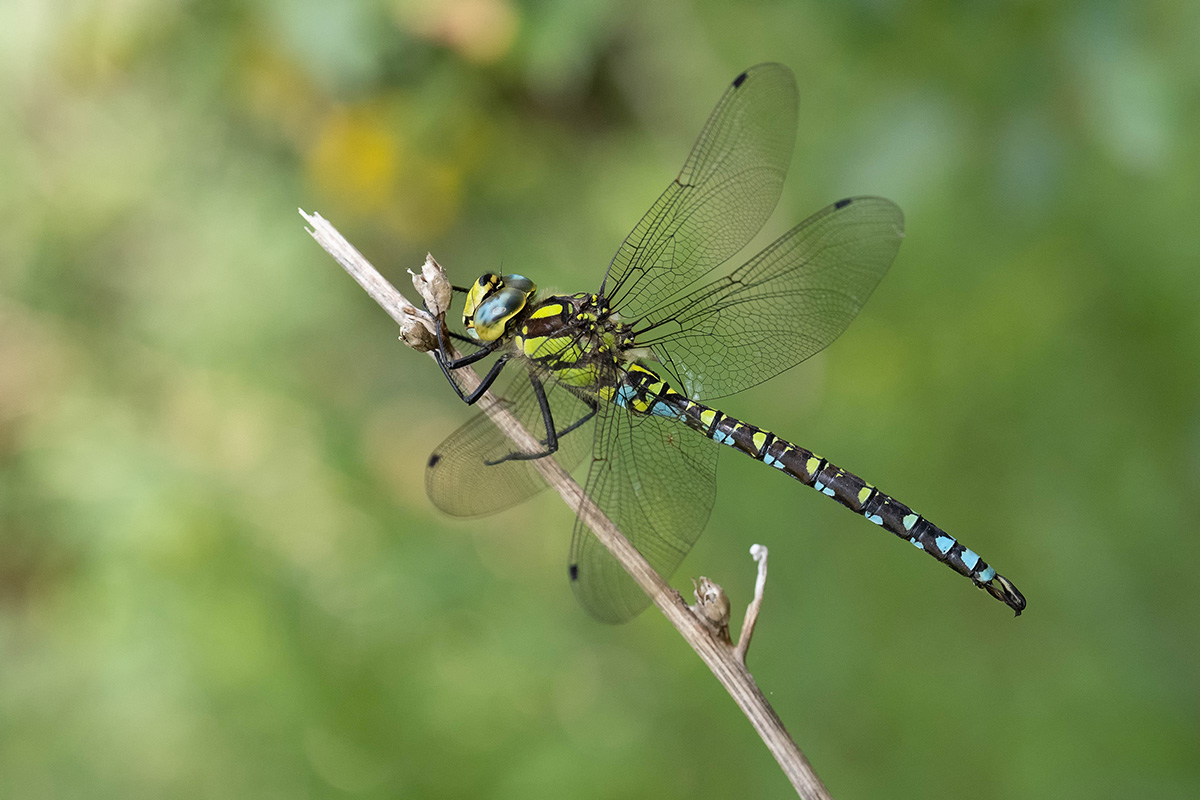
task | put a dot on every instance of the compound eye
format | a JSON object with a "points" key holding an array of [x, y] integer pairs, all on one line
{"points": [[493, 314], [520, 282]]}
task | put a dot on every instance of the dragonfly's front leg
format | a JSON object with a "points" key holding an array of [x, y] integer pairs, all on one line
{"points": [[447, 363], [552, 435]]}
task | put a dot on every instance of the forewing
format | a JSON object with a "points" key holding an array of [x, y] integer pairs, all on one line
{"points": [[656, 480], [728, 187], [785, 304], [459, 477]]}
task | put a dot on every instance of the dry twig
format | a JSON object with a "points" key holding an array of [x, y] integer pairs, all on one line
{"points": [[724, 661], [759, 553]]}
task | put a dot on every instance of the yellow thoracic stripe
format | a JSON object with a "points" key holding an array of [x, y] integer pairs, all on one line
{"points": [[547, 310], [582, 377], [542, 346]]}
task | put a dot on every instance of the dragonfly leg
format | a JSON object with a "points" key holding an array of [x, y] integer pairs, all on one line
{"points": [[552, 434], [470, 398], [447, 364]]}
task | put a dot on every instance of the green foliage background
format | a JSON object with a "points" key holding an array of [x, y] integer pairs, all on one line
{"points": [[219, 575]]}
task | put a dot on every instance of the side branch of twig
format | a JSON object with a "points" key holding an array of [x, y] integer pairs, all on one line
{"points": [[759, 553], [721, 659]]}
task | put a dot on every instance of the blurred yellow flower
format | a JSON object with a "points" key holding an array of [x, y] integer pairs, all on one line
{"points": [[355, 158]]}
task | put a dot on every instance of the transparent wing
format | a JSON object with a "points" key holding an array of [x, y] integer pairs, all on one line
{"points": [[728, 187], [785, 304], [461, 481], [656, 480]]}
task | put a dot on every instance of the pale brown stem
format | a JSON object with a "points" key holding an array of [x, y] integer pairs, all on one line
{"points": [[721, 659]]}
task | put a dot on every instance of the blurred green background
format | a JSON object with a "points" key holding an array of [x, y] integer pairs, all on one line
{"points": [[219, 574]]}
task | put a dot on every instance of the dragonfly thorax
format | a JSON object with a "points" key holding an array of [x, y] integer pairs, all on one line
{"points": [[493, 302], [576, 337]]}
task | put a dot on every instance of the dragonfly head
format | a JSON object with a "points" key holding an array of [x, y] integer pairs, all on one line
{"points": [[492, 302]]}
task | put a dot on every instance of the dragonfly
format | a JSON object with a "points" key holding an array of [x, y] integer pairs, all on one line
{"points": [[620, 378]]}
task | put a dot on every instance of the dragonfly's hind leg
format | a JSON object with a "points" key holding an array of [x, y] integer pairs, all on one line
{"points": [[552, 434]]}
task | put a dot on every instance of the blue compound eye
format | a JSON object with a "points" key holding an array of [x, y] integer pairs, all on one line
{"points": [[520, 282], [493, 314]]}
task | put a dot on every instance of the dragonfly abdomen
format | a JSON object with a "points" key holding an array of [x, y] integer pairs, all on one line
{"points": [[646, 393]]}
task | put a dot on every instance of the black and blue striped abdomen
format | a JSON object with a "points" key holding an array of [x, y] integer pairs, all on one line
{"points": [[645, 393]]}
